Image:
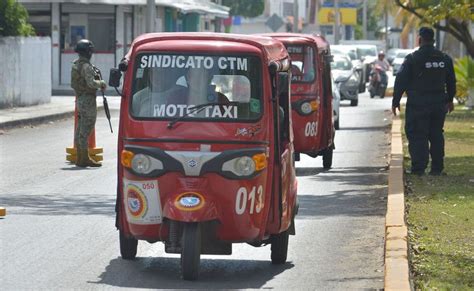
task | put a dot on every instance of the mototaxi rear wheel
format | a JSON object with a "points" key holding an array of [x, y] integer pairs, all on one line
{"points": [[327, 158], [191, 251]]}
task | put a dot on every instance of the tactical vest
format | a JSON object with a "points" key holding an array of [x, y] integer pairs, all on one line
{"points": [[429, 72], [78, 82]]}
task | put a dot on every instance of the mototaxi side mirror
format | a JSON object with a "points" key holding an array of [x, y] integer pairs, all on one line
{"points": [[114, 77]]}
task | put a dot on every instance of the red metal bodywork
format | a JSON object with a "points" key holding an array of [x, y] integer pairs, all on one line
{"points": [[219, 192], [322, 116]]}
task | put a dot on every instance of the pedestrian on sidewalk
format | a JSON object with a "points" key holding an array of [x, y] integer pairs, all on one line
{"points": [[427, 76], [85, 80]]}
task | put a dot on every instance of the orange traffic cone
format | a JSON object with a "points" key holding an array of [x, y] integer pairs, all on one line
{"points": [[94, 152]]}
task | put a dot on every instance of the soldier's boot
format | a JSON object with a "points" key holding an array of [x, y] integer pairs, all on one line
{"points": [[80, 158], [89, 161]]}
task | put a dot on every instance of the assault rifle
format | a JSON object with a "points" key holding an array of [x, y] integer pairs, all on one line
{"points": [[106, 104]]}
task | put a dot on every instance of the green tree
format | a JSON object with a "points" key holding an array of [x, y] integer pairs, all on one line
{"points": [[14, 19], [245, 8], [464, 68], [451, 16]]}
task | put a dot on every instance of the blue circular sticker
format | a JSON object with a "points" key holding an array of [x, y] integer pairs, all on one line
{"points": [[189, 201]]}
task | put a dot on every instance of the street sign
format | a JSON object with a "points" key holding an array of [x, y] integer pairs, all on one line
{"points": [[274, 22]]}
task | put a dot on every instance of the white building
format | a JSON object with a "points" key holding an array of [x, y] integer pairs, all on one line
{"points": [[111, 25]]}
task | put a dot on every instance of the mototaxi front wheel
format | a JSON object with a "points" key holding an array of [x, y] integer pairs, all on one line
{"points": [[279, 247], [128, 247], [191, 251]]}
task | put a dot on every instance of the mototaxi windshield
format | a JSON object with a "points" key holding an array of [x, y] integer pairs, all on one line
{"points": [[169, 86]]}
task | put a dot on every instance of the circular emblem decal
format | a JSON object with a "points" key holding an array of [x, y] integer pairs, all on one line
{"points": [[189, 201], [136, 201]]}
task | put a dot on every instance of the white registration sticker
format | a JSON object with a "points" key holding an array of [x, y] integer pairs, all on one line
{"points": [[142, 202]]}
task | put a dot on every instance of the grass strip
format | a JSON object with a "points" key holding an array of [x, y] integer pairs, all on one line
{"points": [[440, 212]]}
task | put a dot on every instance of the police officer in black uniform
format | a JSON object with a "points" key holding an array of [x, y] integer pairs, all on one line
{"points": [[427, 76]]}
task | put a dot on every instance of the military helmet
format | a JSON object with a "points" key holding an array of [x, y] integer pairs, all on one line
{"points": [[84, 47]]}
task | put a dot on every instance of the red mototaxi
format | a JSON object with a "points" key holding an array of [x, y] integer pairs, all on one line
{"points": [[311, 94], [200, 180]]}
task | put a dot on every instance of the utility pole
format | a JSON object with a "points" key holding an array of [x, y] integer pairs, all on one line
{"points": [[295, 16], [337, 21], [150, 15], [386, 27], [316, 16], [364, 20]]}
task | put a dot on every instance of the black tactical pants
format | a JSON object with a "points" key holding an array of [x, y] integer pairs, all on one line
{"points": [[424, 129]]}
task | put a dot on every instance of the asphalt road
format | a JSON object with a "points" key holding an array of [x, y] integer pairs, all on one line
{"points": [[59, 230]]}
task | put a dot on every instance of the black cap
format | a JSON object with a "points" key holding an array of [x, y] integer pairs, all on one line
{"points": [[426, 33]]}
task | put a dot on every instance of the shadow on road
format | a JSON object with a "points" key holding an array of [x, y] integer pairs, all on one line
{"points": [[343, 203], [165, 273], [60, 204], [367, 128], [308, 171], [360, 191]]}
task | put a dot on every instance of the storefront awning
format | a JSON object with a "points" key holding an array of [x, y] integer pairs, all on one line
{"points": [[185, 6]]}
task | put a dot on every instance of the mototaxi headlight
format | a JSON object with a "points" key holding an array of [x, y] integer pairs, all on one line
{"points": [[305, 108], [244, 166], [241, 166], [141, 164], [144, 164]]}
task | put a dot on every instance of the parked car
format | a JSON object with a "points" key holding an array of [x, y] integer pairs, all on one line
{"points": [[346, 79], [398, 60], [391, 54], [351, 52], [336, 100]]}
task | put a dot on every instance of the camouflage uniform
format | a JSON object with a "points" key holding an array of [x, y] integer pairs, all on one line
{"points": [[85, 81]]}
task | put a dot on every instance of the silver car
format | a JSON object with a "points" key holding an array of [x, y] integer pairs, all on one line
{"points": [[351, 52], [336, 100], [346, 79], [398, 60]]}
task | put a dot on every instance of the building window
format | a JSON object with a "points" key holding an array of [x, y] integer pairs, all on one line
{"points": [[102, 32], [287, 9], [98, 28]]}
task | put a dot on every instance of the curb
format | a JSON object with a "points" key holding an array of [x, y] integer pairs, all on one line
{"points": [[397, 272], [37, 120]]}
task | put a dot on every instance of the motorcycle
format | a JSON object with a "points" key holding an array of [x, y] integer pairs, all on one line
{"points": [[378, 81]]}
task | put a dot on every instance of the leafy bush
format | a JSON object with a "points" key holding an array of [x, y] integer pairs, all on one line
{"points": [[464, 69], [14, 19]]}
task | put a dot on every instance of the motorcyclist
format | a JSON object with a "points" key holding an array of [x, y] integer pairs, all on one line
{"points": [[380, 67], [382, 62]]}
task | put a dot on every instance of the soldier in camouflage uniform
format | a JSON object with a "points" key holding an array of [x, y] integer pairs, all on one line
{"points": [[85, 80]]}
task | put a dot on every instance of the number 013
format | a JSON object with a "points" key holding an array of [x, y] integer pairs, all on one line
{"points": [[252, 200]]}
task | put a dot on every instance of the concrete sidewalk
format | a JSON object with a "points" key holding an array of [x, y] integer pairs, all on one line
{"points": [[60, 107]]}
